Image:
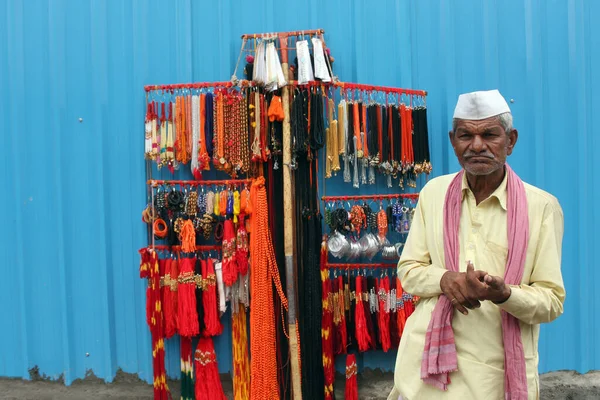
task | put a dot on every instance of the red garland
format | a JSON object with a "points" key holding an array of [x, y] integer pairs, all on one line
{"points": [[341, 333], [384, 313], [361, 330], [402, 310], [212, 323], [187, 315], [149, 268], [163, 265], [230, 268], [351, 392], [241, 253], [208, 382], [170, 305], [327, 326]]}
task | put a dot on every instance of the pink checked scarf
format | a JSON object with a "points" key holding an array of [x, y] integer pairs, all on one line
{"points": [[439, 356]]}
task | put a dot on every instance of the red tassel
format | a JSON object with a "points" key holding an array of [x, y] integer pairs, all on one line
{"points": [[149, 267], [361, 331], [402, 310], [145, 273], [162, 266], [187, 317], [341, 333], [241, 241], [230, 268], [197, 174], [351, 392], [384, 314], [213, 326], [327, 326], [170, 298], [208, 381]]}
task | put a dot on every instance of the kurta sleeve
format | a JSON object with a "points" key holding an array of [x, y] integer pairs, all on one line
{"points": [[542, 299], [418, 276]]}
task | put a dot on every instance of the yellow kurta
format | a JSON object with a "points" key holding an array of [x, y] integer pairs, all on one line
{"points": [[483, 240]]}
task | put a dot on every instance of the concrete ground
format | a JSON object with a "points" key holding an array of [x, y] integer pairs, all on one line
{"points": [[372, 385]]}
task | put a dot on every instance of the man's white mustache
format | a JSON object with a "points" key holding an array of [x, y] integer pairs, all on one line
{"points": [[471, 154]]}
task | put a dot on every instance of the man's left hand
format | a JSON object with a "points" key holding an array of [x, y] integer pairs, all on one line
{"points": [[498, 291]]}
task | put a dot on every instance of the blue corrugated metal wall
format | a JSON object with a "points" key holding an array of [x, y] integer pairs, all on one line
{"points": [[73, 191]]}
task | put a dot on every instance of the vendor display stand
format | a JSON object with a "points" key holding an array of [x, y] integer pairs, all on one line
{"points": [[213, 244]]}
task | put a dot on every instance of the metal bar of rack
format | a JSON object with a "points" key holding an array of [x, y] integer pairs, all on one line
{"points": [[283, 34], [156, 182], [359, 265], [177, 248], [372, 197], [246, 83]]}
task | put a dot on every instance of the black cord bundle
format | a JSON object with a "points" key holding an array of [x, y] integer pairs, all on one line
{"points": [[317, 120], [385, 156], [397, 132], [425, 134], [420, 137], [274, 186], [176, 200], [308, 245], [339, 221], [372, 134], [350, 119], [371, 218], [209, 124], [299, 122]]}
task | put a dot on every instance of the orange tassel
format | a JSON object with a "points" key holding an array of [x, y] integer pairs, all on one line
{"points": [[241, 363], [187, 236]]}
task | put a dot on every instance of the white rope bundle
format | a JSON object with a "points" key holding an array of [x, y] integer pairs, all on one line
{"points": [[347, 172], [355, 182], [275, 78], [195, 132], [259, 73], [321, 70], [305, 72], [148, 138]]}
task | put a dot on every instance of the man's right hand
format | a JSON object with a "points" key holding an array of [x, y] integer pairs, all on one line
{"points": [[464, 289]]}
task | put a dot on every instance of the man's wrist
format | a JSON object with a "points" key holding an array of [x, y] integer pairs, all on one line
{"points": [[506, 296]]}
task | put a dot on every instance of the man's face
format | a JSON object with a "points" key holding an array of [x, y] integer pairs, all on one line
{"points": [[482, 146]]}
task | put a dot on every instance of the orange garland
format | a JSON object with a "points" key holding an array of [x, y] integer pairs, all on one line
{"points": [[263, 341], [241, 371], [158, 231]]}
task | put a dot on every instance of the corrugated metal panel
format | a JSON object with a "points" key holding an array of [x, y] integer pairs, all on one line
{"points": [[74, 190]]}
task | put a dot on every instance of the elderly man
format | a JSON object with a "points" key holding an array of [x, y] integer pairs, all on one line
{"points": [[483, 254]]}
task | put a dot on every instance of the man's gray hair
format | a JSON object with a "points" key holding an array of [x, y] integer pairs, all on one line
{"points": [[506, 120]]}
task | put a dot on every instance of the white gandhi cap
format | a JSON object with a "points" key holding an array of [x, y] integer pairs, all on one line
{"points": [[480, 105]]}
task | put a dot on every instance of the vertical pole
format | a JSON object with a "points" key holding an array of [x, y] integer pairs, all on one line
{"points": [[288, 227]]}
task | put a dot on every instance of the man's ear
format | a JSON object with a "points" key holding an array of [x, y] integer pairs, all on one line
{"points": [[513, 136]]}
